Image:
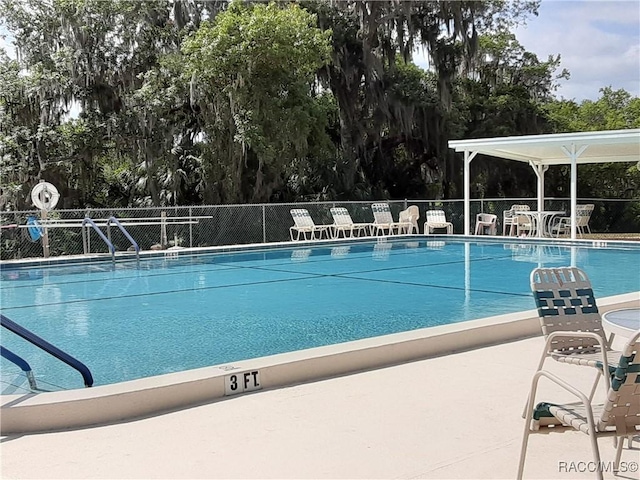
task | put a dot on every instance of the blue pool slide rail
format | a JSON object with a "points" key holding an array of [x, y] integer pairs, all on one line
{"points": [[20, 362], [47, 347]]}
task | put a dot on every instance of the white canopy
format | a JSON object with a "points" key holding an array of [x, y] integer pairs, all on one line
{"points": [[540, 151]]}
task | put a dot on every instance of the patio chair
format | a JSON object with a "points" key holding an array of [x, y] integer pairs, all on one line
{"points": [[437, 219], [342, 222], [486, 224], [383, 220], [410, 215], [562, 226], [303, 224], [516, 223], [618, 416], [570, 320]]}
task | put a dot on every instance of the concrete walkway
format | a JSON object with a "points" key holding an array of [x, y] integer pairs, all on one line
{"points": [[456, 416]]}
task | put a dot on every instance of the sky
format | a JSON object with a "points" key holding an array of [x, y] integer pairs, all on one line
{"points": [[598, 41]]}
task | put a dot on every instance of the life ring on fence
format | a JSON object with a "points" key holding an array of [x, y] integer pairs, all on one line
{"points": [[45, 196], [34, 229]]}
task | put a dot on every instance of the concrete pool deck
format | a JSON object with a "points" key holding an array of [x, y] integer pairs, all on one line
{"points": [[452, 416]]}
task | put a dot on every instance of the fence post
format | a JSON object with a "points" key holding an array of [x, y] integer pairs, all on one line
{"points": [[190, 228], [264, 224]]}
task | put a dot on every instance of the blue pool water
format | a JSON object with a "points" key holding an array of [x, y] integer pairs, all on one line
{"points": [[174, 314]]}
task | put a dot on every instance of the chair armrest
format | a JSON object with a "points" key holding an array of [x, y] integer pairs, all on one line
{"points": [[601, 342], [565, 386], [561, 383]]}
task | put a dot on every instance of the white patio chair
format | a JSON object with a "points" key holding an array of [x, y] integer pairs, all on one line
{"points": [[562, 226], [383, 220], [437, 219], [342, 222], [303, 224], [516, 223], [618, 416], [410, 216], [570, 320], [486, 223]]}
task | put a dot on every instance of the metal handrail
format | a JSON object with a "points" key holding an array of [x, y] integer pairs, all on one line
{"points": [[20, 362], [85, 243], [49, 348], [134, 244]]}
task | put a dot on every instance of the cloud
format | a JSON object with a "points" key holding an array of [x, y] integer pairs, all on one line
{"points": [[598, 41]]}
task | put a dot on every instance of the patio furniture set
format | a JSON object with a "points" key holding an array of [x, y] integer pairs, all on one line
{"points": [[519, 220], [575, 335], [383, 223]]}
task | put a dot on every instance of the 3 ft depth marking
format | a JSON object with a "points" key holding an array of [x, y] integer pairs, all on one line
{"points": [[242, 382]]}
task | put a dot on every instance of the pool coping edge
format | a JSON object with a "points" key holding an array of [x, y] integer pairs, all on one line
{"points": [[126, 401]]}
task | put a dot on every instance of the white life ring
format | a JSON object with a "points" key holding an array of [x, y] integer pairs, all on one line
{"points": [[45, 196]]}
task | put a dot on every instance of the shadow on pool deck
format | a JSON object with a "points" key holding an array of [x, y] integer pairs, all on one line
{"points": [[455, 416]]}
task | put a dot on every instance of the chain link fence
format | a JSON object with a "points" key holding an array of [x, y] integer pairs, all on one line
{"points": [[216, 225]]}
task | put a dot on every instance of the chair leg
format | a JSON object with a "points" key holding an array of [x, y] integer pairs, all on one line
{"points": [[543, 358], [596, 451], [527, 425], [616, 462]]}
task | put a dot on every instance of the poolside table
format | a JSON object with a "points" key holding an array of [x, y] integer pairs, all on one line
{"points": [[623, 321], [540, 220]]}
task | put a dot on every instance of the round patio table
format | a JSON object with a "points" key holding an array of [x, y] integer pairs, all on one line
{"points": [[624, 321]]}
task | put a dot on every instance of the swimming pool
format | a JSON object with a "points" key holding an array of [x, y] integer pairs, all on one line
{"points": [[177, 313]]}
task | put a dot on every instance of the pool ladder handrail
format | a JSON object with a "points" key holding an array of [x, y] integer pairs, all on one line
{"points": [[85, 241], [134, 244], [49, 348], [20, 362]]}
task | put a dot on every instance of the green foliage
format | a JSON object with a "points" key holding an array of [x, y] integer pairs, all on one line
{"points": [[175, 102], [614, 110], [253, 69]]}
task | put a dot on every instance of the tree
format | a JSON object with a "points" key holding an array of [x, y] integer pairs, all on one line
{"points": [[252, 75], [96, 57], [503, 94], [614, 110]]}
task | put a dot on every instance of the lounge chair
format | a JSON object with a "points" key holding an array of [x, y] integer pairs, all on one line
{"points": [[570, 320], [486, 224], [562, 225], [618, 416], [410, 215], [383, 220], [437, 219], [303, 224], [342, 222], [517, 223]]}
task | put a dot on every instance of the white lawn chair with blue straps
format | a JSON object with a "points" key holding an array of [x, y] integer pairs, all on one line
{"points": [[303, 224], [437, 219], [384, 223], [570, 320], [342, 222], [618, 416]]}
